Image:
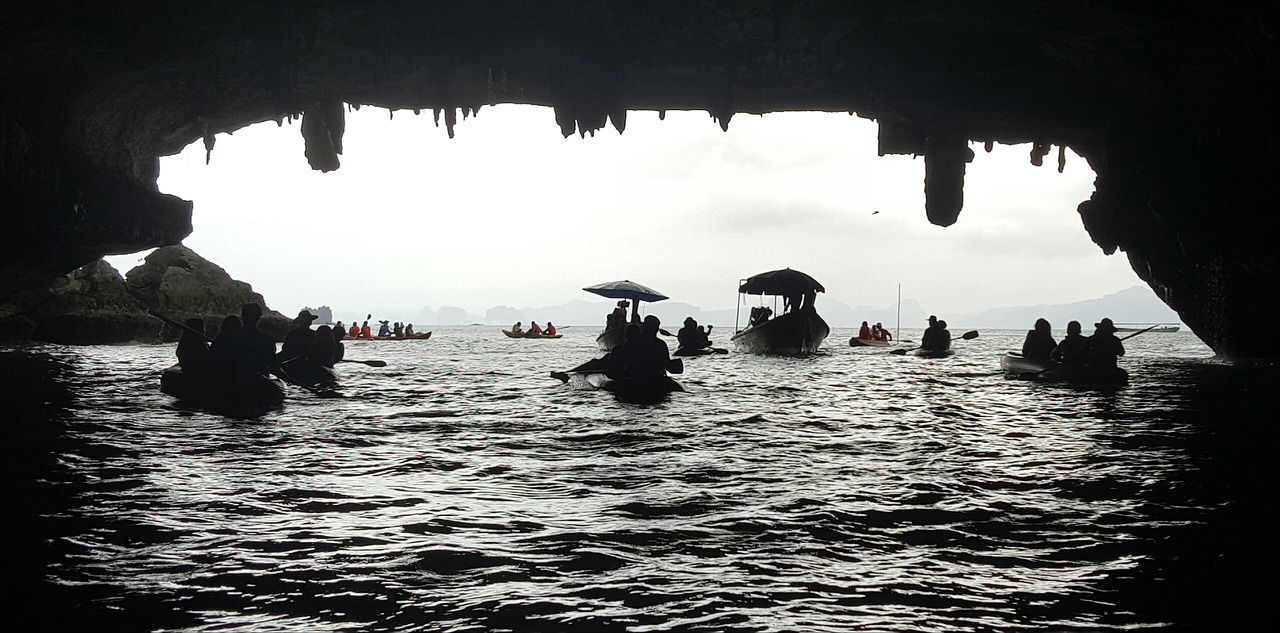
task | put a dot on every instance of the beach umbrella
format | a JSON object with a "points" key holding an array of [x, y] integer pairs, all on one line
{"points": [[780, 282], [626, 289]]}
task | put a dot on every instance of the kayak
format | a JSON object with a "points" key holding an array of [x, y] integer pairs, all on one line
{"points": [[1015, 365], [244, 394], [702, 351], [310, 373], [511, 334], [420, 336], [933, 353], [642, 390], [867, 342]]}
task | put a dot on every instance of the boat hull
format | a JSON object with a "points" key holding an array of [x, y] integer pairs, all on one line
{"points": [[794, 333], [1039, 370], [867, 342], [244, 394], [416, 337], [934, 353], [309, 373], [642, 391]]}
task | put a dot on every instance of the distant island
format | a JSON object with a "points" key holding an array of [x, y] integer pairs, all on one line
{"points": [[1138, 304]]}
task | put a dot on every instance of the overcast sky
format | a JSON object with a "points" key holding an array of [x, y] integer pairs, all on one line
{"points": [[510, 213]]}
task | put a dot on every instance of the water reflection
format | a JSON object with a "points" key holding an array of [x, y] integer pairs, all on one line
{"points": [[460, 488]]}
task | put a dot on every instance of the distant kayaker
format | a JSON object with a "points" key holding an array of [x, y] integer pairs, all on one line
{"points": [[366, 331], [617, 318], [398, 330], [864, 332], [688, 336], [384, 328], [1068, 351], [408, 329], [550, 331], [193, 348], [534, 330], [931, 339], [1103, 348], [944, 335], [354, 332], [516, 329], [1039, 343], [878, 333]]}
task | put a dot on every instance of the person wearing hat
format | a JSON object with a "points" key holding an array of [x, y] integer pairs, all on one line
{"points": [[932, 339], [689, 338], [300, 339], [1103, 348], [384, 328]]}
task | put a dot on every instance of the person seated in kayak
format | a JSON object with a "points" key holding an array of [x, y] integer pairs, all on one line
{"points": [[550, 331], [366, 331], [299, 341], [255, 350], [516, 329], [944, 335], [221, 351], [617, 318], [1103, 348], [408, 329], [864, 332], [534, 330], [704, 335], [1068, 351], [193, 349], [931, 339], [384, 329], [321, 352], [641, 356], [1039, 343], [688, 336], [339, 349], [354, 332], [885, 335]]}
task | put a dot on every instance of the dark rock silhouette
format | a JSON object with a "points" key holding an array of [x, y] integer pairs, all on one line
{"points": [[89, 306], [179, 284], [1172, 105]]}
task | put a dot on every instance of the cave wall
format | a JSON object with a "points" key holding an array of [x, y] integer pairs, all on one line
{"points": [[1173, 106]]}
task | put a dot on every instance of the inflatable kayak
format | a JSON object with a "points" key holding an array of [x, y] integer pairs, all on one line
{"points": [[244, 393]]}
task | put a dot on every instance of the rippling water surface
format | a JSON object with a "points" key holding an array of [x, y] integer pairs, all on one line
{"points": [[462, 489]]}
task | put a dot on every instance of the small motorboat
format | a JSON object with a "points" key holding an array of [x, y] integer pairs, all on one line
{"points": [[245, 393], [797, 332]]}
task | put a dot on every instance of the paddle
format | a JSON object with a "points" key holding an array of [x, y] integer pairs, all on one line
{"points": [[1140, 332], [179, 325], [601, 365], [967, 336], [371, 363]]}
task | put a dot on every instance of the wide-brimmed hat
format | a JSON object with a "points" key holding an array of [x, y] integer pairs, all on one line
{"points": [[1105, 325], [304, 317]]}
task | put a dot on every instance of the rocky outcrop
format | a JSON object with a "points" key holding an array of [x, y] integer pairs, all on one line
{"points": [[179, 284], [89, 306], [1172, 104]]}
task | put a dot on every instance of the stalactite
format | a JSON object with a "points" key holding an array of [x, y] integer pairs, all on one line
{"points": [[1038, 152], [1062, 158], [436, 113], [208, 142], [450, 120], [662, 115], [988, 146]]}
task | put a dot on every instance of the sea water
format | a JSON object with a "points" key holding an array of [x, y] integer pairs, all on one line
{"points": [[460, 488]]}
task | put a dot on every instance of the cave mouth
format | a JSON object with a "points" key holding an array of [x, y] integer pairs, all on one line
{"points": [[510, 212]]}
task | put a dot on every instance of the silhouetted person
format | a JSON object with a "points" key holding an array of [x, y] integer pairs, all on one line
{"points": [[930, 339], [1039, 343], [864, 332], [255, 349], [398, 330], [884, 334], [321, 353], [810, 297], [944, 335], [643, 356], [299, 341], [551, 329], [222, 352], [1103, 348], [339, 349], [193, 349], [688, 337], [1068, 351]]}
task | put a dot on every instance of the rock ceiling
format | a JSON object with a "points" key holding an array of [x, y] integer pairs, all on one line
{"points": [[1173, 106]]}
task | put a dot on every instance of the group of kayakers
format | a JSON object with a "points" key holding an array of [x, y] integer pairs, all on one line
{"points": [[1099, 350], [874, 332], [385, 330], [242, 348], [693, 336], [534, 329], [936, 337]]}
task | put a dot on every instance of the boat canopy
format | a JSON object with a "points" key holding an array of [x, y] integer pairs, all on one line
{"points": [[780, 282], [626, 289]]}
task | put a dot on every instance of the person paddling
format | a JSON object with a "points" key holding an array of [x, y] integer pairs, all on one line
{"points": [[299, 341], [642, 356], [1039, 343], [1068, 351], [255, 350], [366, 331], [1103, 348], [550, 330], [193, 349]]}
